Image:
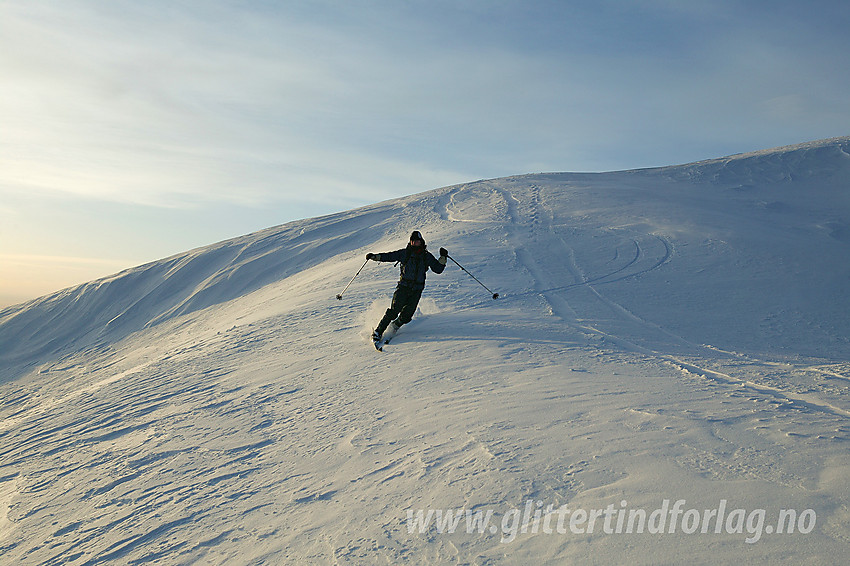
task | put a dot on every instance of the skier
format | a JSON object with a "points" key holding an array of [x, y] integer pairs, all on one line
{"points": [[415, 260]]}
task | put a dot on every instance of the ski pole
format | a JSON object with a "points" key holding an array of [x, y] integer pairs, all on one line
{"points": [[495, 295], [339, 297]]}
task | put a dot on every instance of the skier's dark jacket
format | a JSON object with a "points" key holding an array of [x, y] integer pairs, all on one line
{"points": [[414, 263]]}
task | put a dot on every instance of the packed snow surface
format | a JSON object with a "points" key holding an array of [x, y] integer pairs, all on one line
{"points": [[663, 379]]}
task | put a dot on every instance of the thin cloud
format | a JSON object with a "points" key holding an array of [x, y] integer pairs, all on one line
{"points": [[172, 103]]}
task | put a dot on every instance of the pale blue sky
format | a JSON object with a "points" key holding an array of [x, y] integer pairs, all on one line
{"points": [[133, 130]]}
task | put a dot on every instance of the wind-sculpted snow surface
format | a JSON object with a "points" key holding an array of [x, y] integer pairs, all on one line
{"points": [[663, 379]]}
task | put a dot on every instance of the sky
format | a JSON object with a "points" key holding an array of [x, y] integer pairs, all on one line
{"points": [[131, 131]]}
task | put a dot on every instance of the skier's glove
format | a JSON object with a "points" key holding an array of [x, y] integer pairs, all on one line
{"points": [[444, 252], [370, 256]]}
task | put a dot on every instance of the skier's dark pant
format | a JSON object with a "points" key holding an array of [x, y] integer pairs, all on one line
{"points": [[405, 300]]}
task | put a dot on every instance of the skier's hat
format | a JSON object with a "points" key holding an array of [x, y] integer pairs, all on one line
{"points": [[417, 236]]}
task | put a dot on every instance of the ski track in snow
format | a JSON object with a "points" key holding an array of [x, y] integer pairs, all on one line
{"points": [[252, 423], [541, 226]]}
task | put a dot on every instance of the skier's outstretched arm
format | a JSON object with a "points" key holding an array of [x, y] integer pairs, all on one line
{"points": [[397, 255]]}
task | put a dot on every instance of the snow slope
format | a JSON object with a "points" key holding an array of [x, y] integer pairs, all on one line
{"points": [[675, 334]]}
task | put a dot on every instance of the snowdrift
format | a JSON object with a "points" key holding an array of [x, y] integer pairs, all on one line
{"points": [[677, 334]]}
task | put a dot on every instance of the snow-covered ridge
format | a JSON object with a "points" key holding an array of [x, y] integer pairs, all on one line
{"points": [[110, 308], [821, 160], [669, 334]]}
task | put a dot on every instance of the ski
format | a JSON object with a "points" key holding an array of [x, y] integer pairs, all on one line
{"points": [[384, 340], [379, 342]]}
